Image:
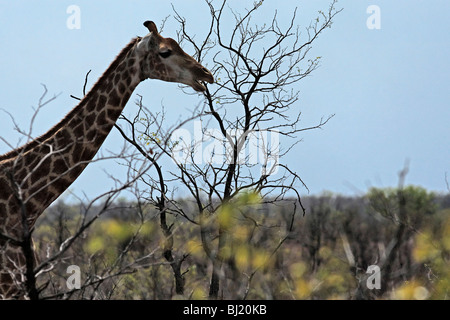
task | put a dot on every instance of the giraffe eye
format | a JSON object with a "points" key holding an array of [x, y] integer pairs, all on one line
{"points": [[165, 54]]}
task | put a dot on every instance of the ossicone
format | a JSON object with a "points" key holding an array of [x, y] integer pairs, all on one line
{"points": [[151, 26]]}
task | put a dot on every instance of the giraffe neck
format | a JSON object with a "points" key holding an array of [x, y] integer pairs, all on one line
{"points": [[34, 175], [44, 168]]}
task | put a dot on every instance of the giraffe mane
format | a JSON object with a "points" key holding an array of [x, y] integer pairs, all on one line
{"points": [[36, 141]]}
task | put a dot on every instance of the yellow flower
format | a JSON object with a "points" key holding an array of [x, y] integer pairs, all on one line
{"points": [[411, 290]]}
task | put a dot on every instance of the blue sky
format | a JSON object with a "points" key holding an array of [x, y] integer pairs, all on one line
{"points": [[388, 88]]}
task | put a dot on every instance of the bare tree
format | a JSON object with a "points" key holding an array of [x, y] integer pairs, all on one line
{"points": [[245, 120]]}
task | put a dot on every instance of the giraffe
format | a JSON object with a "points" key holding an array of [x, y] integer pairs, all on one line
{"points": [[34, 175]]}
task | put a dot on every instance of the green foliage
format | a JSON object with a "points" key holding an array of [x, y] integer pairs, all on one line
{"points": [[419, 203]]}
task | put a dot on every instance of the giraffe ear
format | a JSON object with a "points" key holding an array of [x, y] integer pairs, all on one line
{"points": [[151, 26]]}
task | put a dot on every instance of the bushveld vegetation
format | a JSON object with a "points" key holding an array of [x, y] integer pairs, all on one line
{"points": [[268, 253]]}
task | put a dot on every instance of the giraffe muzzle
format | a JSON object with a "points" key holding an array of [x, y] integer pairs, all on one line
{"points": [[202, 75]]}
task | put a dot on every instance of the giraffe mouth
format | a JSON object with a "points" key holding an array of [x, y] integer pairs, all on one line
{"points": [[198, 86], [200, 76]]}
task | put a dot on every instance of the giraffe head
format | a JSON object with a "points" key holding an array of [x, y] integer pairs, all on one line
{"points": [[162, 58]]}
